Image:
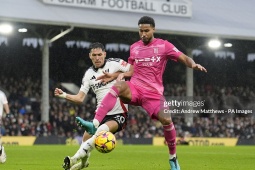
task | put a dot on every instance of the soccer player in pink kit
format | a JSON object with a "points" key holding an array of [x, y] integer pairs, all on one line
{"points": [[149, 57]]}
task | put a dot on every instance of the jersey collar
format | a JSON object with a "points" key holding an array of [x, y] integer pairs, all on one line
{"points": [[95, 69]]}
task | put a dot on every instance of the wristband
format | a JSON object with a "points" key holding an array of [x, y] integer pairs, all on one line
{"points": [[63, 95]]}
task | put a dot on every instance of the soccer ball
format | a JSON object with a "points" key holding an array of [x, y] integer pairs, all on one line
{"points": [[105, 142]]}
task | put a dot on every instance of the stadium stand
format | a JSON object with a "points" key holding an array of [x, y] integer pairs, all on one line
{"points": [[24, 100]]}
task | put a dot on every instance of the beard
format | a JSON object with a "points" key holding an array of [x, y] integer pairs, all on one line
{"points": [[146, 40]]}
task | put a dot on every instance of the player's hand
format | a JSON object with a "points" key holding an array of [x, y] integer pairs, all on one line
{"points": [[120, 77], [106, 77], [59, 93], [199, 67], [8, 115]]}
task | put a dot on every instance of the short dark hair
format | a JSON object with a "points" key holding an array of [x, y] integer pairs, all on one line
{"points": [[146, 20], [96, 45]]}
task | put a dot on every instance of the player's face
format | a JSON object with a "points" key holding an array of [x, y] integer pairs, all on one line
{"points": [[146, 32], [97, 57]]}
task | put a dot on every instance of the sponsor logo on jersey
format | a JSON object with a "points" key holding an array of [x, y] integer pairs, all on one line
{"points": [[93, 77], [99, 85], [149, 59]]}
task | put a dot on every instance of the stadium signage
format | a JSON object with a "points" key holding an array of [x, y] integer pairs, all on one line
{"points": [[18, 140], [181, 8], [199, 141]]}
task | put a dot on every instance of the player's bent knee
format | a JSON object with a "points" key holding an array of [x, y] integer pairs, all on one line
{"points": [[166, 121], [120, 85], [103, 127], [86, 136]]}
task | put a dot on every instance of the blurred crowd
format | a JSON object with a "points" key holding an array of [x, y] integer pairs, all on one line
{"points": [[24, 96]]}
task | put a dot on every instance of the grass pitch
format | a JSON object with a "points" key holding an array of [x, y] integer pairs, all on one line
{"points": [[132, 157]]}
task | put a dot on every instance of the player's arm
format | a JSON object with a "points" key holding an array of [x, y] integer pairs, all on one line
{"points": [[78, 98], [127, 74], [119, 75], [107, 77], [6, 108], [189, 62]]}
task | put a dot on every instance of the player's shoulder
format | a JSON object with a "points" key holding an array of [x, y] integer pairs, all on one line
{"points": [[137, 43], [161, 41], [90, 70], [164, 42], [155, 40], [1, 92]]}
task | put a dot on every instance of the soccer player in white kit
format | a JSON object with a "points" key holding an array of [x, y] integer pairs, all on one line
{"points": [[3, 107], [115, 119]]}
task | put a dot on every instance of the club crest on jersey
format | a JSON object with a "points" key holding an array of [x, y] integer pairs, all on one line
{"points": [[107, 70], [155, 50]]}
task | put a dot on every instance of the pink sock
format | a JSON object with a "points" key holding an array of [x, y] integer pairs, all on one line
{"points": [[107, 104], [170, 137]]}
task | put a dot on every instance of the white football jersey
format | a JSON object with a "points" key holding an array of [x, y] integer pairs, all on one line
{"points": [[3, 100], [111, 65]]}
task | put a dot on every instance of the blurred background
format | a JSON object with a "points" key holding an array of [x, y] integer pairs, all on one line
{"points": [[33, 64]]}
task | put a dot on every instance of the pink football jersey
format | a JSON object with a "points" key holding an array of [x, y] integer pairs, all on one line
{"points": [[149, 63]]}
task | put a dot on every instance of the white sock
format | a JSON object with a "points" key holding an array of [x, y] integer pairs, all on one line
{"points": [[85, 148], [85, 159], [102, 127], [172, 156]]}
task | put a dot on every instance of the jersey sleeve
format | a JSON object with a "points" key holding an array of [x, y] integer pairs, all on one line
{"points": [[131, 58], [120, 65], [85, 83], [171, 51], [123, 66], [4, 98]]}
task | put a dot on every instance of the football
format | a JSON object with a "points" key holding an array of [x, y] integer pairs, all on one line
{"points": [[105, 142]]}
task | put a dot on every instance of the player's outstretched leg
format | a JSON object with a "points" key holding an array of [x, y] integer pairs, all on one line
{"points": [[88, 126], [174, 164], [2, 155], [82, 154], [68, 163], [84, 163], [78, 166]]}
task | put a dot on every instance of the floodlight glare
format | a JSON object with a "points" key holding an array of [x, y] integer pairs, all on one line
{"points": [[5, 28], [22, 30], [214, 44], [227, 45]]}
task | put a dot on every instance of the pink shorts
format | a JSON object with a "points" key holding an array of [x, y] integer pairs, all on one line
{"points": [[150, 101]]}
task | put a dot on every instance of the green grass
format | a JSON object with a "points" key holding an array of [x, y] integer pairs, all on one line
{"points": [[132, 157]]}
